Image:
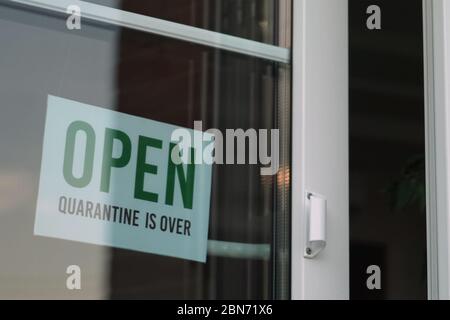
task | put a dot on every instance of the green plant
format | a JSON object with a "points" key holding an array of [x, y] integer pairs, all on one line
{"points": [[409, 187]]}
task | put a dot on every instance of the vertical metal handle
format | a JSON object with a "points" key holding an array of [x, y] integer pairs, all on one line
{"points": [[316, 224]]}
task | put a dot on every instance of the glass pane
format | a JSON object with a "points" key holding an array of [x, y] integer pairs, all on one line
{"points": [[154, 78], [251, 19]]}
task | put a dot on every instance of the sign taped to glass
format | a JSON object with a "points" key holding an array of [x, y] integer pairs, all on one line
{"points": [[108, 178]]}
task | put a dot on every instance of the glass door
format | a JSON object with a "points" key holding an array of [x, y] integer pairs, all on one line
{"points": [[224, 63]]}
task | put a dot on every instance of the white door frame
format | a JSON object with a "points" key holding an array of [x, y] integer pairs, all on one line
{"points": [[320, 144], [437, 101]]}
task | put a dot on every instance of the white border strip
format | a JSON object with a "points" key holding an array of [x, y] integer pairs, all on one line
{"points": [[166, 28], [431, 153]]}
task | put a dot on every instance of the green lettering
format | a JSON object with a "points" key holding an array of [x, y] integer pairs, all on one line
{"points": [[109, 161], [186, 182], [142, 167], [88, 164]]}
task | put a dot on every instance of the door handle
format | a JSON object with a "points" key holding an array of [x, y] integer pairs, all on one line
{"points": [[316, 224]]}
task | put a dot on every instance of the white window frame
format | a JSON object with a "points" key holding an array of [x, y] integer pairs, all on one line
{"points": [[165, 28], [437, 102]]}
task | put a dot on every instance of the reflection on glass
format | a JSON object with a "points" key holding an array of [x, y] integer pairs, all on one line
{"points": [[160, 79], [250, 19]]}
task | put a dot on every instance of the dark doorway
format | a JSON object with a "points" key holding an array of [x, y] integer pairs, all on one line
{"points": [[387, 151]]}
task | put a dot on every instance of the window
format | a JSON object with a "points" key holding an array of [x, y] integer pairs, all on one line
{"points": [[160, 78]]}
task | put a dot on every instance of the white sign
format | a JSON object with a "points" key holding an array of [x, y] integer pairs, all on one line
{"points": [[108, 178]]}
